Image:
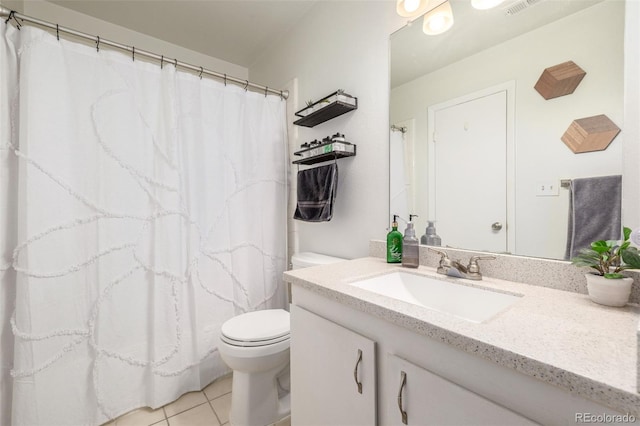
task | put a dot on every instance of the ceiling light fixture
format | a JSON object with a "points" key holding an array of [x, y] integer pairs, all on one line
{"points": [[411, 8], [485, 4], [438, 20]]}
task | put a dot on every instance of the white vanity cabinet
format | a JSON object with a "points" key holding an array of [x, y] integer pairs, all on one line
{"points": [[421, 397], [333, 382], [444, 385], [333, 373]]}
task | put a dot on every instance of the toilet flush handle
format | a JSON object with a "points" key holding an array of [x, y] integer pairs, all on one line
{"points": [[355, 371]]}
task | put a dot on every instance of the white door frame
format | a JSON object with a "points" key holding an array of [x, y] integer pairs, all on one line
{"points": [[510, 88]]}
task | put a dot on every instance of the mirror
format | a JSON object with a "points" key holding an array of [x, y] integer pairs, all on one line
{"points": [[479, 78]]}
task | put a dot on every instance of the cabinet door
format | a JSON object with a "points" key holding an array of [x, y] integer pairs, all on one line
{"points": [[328, 362], [428, 399]]}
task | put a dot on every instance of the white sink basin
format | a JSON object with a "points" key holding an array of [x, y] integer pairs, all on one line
{"points": [[469, 303]]}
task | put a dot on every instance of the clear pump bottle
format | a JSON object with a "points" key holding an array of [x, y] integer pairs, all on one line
{"points": [[410, 247]]}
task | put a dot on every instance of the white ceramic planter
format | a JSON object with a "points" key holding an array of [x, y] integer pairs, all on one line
{"points": [[609, 292]]}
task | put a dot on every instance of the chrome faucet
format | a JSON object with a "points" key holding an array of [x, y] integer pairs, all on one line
{"points": [[454, 268], [449, 267]]}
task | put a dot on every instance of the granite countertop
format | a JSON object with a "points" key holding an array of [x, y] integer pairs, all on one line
{"points": [[556, 336]]}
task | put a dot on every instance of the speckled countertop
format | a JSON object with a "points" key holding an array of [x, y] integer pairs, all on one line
{"points": [[556, 336]]}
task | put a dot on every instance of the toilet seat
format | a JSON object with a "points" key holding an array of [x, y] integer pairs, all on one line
{"points": [[256, 343], [259, 328]]}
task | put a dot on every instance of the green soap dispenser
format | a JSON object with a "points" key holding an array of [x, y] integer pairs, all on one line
{"points": [[394, 243]]}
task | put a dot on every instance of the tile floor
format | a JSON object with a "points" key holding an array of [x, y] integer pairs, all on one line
{"points": [[209, 407]]}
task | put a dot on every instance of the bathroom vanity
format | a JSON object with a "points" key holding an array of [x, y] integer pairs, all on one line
{"points": [[359, 357]]}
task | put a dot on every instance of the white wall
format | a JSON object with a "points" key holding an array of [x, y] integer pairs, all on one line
{"points": [[78, 21], [343, 45], [593, 39], [17, 5]]}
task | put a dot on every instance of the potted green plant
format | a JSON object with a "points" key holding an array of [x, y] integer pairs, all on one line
{"points": [[606, 285]]}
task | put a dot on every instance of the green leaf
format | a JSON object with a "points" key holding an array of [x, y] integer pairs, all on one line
{"points": [[614, 276], [631, 258], [624, 246], [586, 257], [581, 262], [627, 233], [601, 246]]}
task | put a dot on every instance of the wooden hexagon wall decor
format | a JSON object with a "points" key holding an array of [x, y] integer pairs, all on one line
{"points": [[590, 134], [559, 80]]}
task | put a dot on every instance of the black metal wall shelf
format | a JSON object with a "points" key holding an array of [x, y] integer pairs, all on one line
{"points": [[337, 103], [346, 150]]}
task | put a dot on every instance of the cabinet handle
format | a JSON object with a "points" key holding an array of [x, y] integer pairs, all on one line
{"points": [[403, 382], [355, 371]]}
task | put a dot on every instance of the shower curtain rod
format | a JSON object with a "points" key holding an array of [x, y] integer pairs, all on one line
{"points": [[11, 14]]}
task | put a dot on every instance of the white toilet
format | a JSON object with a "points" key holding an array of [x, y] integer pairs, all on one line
{"points": [[255, 346]]}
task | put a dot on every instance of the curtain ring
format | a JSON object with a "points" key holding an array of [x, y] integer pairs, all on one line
{"points": [[246, 85], [161, 61], [12, 15], [266, 89], [281, 96], [97, 43], [133, 53], [201, 69], [9, 17], [225, 79], [58, 32], [175, 63]]}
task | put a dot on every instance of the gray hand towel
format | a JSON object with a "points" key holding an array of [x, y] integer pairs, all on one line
{"points": [[316, 193], [595, 212]]}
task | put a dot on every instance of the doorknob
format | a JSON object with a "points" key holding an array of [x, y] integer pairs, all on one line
{"points": [[496, 226]]}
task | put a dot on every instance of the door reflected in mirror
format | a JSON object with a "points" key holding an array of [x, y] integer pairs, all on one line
{"points": [[476, 148]]}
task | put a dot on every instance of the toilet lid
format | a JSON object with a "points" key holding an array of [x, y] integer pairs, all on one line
{"points": [[259, 326]]}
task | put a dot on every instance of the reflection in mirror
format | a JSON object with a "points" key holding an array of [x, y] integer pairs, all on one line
{"points": [[479, 150]]}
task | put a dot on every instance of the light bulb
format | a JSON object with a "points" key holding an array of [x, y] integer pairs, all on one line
{"points": [[437, 23], [411, 8], [438, 20], [411, 5]]}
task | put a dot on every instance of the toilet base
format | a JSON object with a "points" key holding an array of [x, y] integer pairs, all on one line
{"points": [[255, 402]]}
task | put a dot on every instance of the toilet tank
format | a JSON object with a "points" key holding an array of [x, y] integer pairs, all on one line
{"points": [[307, 259]]}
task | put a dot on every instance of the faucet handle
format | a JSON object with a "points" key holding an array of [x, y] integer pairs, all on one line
{"points": [[474, 268], [445, 262], [443, 255]]}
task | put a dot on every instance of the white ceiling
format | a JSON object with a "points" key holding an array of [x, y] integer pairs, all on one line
{"points": [[235, 31], [414, 54], [238, 31]]}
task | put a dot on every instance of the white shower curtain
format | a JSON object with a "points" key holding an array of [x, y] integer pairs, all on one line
{"points": [[140, 208]]}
